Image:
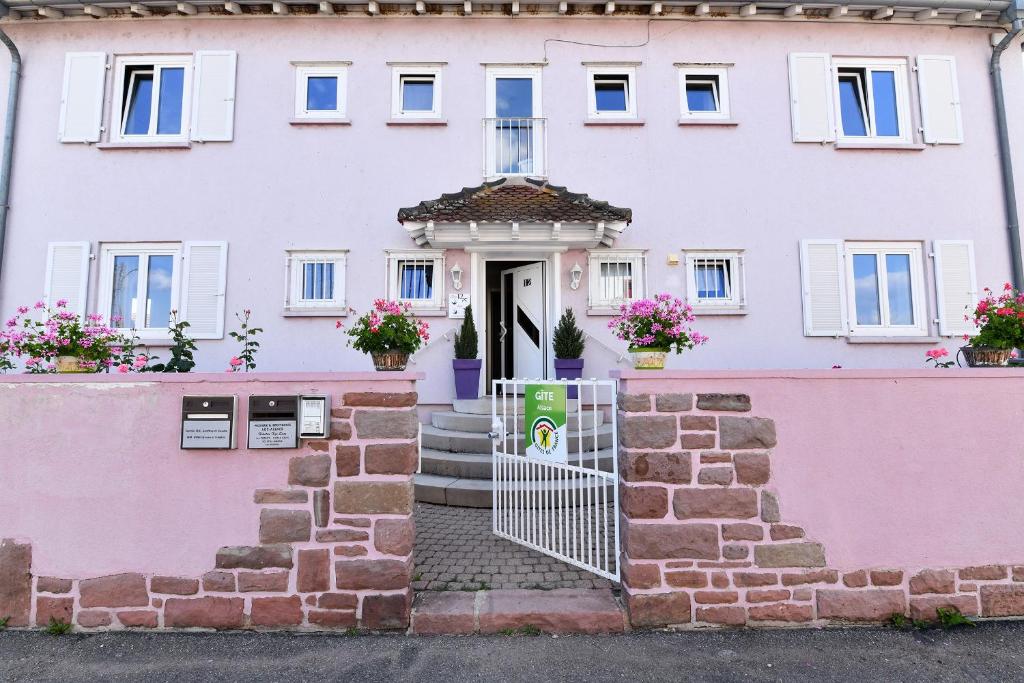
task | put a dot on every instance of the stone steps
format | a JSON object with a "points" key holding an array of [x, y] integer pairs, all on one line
{"points": [[476, 493], [481, 423], [483, 406], [480, 465], [560, 611], [456, 441]]}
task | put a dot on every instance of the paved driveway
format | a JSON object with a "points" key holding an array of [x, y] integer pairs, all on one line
{"points": [[990, 652]]}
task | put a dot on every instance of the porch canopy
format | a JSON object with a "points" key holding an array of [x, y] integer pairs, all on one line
{"points": [[515, 212]]}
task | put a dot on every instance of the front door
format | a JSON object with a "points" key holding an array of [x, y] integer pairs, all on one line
{"points": [[522, 294]]}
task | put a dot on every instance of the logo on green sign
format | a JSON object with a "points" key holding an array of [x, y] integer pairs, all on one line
{"points": [[545, 420]]}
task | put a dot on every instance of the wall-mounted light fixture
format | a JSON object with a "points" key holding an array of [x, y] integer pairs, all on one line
{"points": [[576, 275], [457, 277]]}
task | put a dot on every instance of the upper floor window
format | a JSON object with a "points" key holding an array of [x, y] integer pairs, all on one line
{"points": [[417, 278], [139, 285], [616, 277], [514, 142], [872, 99], [714, 281], [315, 282], [416, 91], [611, 92], [704, 92], [321, 90], [152, 97]]}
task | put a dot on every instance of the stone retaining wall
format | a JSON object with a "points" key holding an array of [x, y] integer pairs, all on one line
{"points": [[329, 545], [707, 540]]}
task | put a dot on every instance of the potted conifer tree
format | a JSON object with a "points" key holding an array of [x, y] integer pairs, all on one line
{"points": [[569, 341], [466, 365]]}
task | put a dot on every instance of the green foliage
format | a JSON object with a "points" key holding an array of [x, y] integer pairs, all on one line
{"points": [[350, 631], [568, 338], [466, 339], [58, 627], [898, 620], [950, 617], [3, 622], [527, 630], [246, 337], [1000, 319], [181, 348], [387, 327]]}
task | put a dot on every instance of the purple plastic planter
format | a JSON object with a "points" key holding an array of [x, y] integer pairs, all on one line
{"points": [[467, 377], [569, 368]]}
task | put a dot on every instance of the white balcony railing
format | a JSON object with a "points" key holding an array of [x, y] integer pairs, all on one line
{"points": [[515, 147]]}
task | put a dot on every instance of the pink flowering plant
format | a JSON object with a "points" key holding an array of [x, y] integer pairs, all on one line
{"points": [[660, 323], [936, 356], [37, 336], [388, 326], [999, 319]]}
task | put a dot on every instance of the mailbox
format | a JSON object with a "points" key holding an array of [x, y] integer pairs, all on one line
{"points": [[314, 417], [273, 422], [208, 422]]}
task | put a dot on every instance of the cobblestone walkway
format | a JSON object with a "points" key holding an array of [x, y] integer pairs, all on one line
{"points": [[455, 550]]}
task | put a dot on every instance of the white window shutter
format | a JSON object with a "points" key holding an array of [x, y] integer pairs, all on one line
{"points": [[940, 100], [956, 286], [213, 96], [81, 103], [67, 274], [810, 92], [202, 299], [824, 289]]}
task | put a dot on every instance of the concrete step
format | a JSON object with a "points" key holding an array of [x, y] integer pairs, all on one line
{"points": [[482, 406], [471, 422], [479, 465], [476, 493], [561, 611], [476, 442]]}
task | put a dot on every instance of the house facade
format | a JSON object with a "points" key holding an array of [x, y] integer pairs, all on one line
{"points": [[821, 183]]}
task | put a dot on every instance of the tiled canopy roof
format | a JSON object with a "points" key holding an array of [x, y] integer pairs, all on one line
{"points": [[503, 201]]}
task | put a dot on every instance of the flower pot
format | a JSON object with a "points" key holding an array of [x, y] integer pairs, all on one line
{"points": [[986, 356], [467, 377], [569, 368], [390, 360], [69, 364], [648, 359]]}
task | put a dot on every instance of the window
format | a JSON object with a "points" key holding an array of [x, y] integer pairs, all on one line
{"points": [[514, 131], [714, 281], [315, 282], [704, 93], [417, 278], [887, 288], [615, 278], [320, 90], [152, 98], [612, 92], [871, 98], [416, 91], [139, 286]]}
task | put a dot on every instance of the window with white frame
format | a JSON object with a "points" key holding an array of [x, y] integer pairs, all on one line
{"points": [[886, 285], [714, 280], [151, 98], [417, 278], [616, 277], [321, 90], [416, 91], [139, 285], [315, 281], [872, 98], [611, 92], [704, 92]]}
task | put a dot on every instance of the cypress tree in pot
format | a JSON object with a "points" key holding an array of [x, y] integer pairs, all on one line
{"points": [[569, 342], [466, 365]]}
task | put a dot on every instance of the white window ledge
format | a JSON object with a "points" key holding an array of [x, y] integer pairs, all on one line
{"points": [[428, 313], [614, 122], [894, 340], [417, 122], [315, 313], [708, 122], [698, 311], [603, 310], [320, 122], [179, 144], [902, 146]]}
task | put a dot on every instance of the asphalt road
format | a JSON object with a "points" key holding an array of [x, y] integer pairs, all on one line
{"points": [[989, 652]]}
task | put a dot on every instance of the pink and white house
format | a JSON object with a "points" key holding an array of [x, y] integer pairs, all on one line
{"points": [[821, 181]]}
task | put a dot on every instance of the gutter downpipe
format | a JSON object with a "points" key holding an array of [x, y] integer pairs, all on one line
{"points": [[1005, 161], [7, 155]]}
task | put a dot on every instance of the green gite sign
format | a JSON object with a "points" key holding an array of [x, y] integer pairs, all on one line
{"points": [[546, 432]]}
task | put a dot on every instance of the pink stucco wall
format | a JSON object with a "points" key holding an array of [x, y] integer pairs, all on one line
{"points": [[904, 469], [278, 186], [91, 472]]}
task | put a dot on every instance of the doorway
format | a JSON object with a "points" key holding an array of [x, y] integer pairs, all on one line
{"points": [[516, 296]]}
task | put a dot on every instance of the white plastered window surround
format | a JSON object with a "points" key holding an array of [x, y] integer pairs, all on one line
{"points": [[716, 281], [315, 282], [151, 99], [321, 92], [417, 93], [704, 94], [612, 93]]}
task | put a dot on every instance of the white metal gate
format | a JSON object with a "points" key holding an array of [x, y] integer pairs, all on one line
{"points": [[569, 511]]}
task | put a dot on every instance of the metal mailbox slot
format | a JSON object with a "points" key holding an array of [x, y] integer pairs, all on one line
{"points": [[273, 421], [314, 417], [208, 422]]}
